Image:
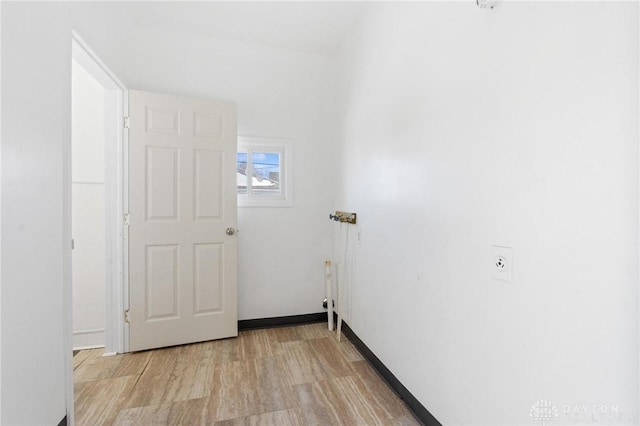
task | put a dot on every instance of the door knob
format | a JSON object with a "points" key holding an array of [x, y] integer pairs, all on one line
{"points": [[231, 231]]}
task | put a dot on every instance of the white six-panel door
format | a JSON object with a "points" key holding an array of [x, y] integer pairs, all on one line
{"points": [[182, 201]]}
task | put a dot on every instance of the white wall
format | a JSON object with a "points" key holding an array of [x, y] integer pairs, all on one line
{"points": [[279, 93], [88, 208], [464, 128], [33, 134], [0, 218], [36, 117]]}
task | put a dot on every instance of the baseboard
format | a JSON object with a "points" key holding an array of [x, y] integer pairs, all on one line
{"points": [[84, 348], [63, 422], [251, 324], [88, 339], [419, 411]]}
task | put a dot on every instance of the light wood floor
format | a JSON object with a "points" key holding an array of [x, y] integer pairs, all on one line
{"points": [[280, 376]]}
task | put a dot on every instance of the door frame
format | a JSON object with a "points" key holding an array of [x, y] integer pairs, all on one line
{"points": [[116, 199], [115, 193]]}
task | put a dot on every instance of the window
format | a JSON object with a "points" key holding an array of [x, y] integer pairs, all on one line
{"points": [[263, 172]]}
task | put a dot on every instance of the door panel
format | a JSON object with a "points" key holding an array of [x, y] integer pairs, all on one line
{"points": [[163, 183], [162, 281], [208, 278], [208, 180], [182, 191]]}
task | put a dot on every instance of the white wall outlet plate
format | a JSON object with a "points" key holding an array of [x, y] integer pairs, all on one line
{"points": [[502, 263]]}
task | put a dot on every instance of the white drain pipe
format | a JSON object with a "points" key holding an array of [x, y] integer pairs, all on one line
{"points": [[327, 276], [339, 303]]}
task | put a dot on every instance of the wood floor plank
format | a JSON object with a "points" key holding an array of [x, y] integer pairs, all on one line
{"points": [[354, 393], [98, 402], [284, 334], [319, 404], [85, 355], [189, 412], [216, 351], [301, 363], [225, 350], [250, 387], [172, 374], [407, 420], [313, 331], [233, 401], [290, 417], [257, 344], [332, 360], [320, 330], [348, 351], [274, 391], [231, 373], [99, 367], [342, 402], [376, 392]]}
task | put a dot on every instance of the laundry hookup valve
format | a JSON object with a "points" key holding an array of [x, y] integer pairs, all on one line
{"points": [[343, 217]]}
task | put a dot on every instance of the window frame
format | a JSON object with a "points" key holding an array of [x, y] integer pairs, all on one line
{"points": [[284, 148]]}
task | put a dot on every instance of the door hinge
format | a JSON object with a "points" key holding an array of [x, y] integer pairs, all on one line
{"points": [[126, 316], [126, 219], [126, 122]]}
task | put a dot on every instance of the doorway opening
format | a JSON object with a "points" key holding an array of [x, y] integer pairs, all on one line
{"points": [[97, 203], [88, 209]]}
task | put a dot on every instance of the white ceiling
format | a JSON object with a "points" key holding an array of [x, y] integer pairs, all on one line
{"points": [[317, 27]]}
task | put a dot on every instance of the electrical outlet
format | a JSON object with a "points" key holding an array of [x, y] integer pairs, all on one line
{"points": [[502, 263]]}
